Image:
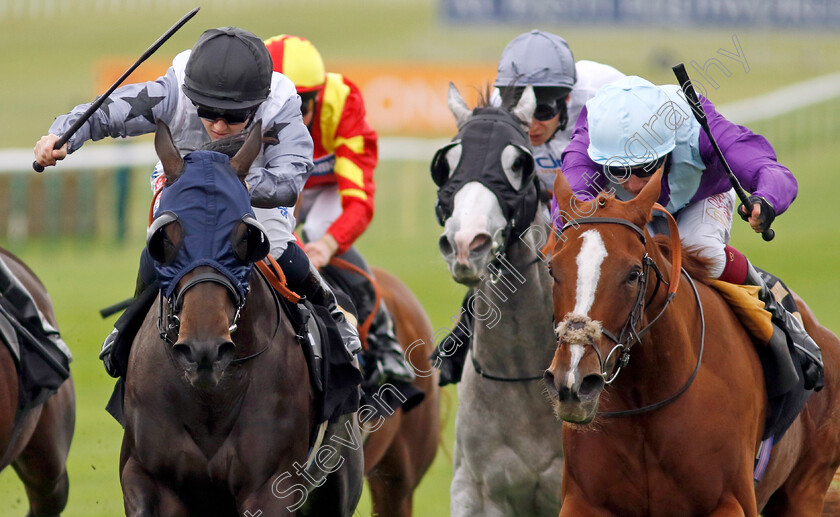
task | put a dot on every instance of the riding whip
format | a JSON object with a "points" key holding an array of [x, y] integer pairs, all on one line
{"points": [[98, 102], [700, 115]]}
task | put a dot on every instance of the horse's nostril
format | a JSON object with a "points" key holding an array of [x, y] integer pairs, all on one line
{"points": [[480, 244], [183, 351], [548, 378], [225, 351], [591, 385], [445, 246]]}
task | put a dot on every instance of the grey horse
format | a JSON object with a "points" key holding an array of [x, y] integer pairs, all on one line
{"points": [[508, 457]]}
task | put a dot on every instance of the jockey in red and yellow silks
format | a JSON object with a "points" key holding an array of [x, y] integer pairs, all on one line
{"points": [[336, 204], [345, 155]]}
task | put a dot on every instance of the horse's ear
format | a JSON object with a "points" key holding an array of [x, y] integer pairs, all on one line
{"points": [[562, 189], [458, 106], [566, 198], [524, 109], [173, 164], [242, 160], [644, 201]]}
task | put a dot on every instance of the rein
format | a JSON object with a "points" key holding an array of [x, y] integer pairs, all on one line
{"points": [[364, 328], [176, 302], [494, 279], [630, 334]]}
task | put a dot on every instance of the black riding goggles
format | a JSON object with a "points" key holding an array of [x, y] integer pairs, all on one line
{"points": [[644, 170], [232, 117], [545, 112]]}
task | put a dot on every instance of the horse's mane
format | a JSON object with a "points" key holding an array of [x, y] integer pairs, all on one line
{"points": [[695, 264], [230, 145], [509, 100]]}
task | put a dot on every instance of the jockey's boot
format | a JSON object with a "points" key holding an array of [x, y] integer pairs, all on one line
{"points": [[389, 363], [451, 354], [317, 291], [809, 353], [22, 307], [127, 325]]}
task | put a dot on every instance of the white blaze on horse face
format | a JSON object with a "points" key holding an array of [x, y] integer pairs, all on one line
{"points": [[576, 352], [475, 211], [589, 260]]}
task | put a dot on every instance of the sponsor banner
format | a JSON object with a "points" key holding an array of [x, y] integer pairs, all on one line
{"points": [[749, 13], [400, 98]]}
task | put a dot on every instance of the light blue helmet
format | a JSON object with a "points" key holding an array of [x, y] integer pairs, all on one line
{"points": [[628, 123], [539, 59]]}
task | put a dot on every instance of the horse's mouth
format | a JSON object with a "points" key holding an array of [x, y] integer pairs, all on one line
{"points": [[575, 413], [466, 275], [580, 407]]}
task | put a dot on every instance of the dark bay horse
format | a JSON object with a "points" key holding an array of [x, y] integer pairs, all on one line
{"points": [[677, 429], [38, 445], [218, 405], [400, 451]]}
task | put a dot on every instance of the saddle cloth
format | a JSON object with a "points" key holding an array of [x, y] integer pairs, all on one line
{"points": [[41, 357]]}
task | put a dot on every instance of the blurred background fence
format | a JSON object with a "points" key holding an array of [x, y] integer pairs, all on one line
{"points": [[93, 193]]}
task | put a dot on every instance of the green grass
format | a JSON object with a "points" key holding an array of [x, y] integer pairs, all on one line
{"points": [[48, 67]]}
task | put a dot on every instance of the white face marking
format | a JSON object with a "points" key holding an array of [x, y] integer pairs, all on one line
{"points": [[589, 260], [577, 352], [475, 210]]}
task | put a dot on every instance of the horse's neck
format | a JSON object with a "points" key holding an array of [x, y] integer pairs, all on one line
{"points": [[513, 315]]}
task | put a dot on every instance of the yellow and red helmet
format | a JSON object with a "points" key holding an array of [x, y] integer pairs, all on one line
{"points": [[299, 60]]}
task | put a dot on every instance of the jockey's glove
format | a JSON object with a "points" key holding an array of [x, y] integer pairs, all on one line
{"points": [[767, 215]]}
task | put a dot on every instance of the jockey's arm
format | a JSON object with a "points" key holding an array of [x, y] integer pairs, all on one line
{"points": [[356, 158], [130, 110], [751, 158], [586, 177], [286, 164]]}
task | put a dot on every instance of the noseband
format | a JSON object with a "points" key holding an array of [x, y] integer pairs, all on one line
{"points": [[175, 304], [630, 334]]}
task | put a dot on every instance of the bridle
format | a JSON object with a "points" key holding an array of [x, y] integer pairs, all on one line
{"points": [[630, 333], [175, 303]]}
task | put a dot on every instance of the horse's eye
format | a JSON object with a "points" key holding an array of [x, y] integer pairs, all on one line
{"points": [[518, 164], [634, 276]]}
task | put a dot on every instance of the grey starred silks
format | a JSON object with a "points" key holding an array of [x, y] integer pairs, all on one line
{"points": [[271, 136], [142, 105], [105, 106]]}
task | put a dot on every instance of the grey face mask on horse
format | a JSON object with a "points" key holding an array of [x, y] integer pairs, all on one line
{"points": [[482, 139]]}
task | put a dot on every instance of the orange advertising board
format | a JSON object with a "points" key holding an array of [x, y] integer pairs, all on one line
{"points": [[401, 98]]}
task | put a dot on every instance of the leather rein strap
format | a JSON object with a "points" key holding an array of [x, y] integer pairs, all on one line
{"points": [[276, 278], [364, 328]]}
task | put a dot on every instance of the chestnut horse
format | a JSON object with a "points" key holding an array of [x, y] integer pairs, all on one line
{"points": [[401, 449], [36, 443], [677, 430], [218, 405]]}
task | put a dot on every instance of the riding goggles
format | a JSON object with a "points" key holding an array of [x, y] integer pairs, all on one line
{"points": [[545, 112], [644, 170], [232, 117]]}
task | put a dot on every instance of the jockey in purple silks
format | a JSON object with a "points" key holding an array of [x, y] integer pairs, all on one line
{"points": [[632, 128]]}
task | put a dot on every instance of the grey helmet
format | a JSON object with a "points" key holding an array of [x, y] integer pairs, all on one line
{"points": [[539, 59], [228, 69]]}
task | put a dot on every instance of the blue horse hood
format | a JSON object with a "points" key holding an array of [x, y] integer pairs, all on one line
{"points": [[208, 200]]}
